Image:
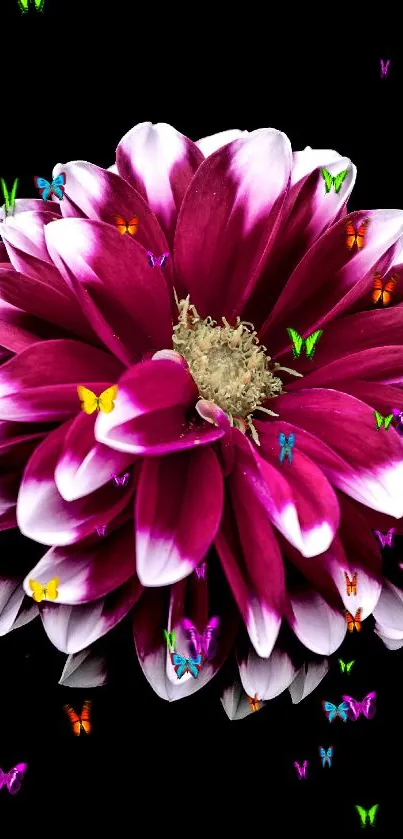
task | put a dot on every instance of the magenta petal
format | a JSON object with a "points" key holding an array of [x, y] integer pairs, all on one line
{"points": [[319, 627], [88, 572], [228, 221], [266, 677], [19, 330], [42, 513], [178, 509], [307, 679], [208, 145]]}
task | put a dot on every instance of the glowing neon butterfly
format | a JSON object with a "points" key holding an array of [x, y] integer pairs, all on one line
{"points": [[201, 570], [254, 703], [23, 4], [326, 756], [183, 665], [351, 584], [385, 538], [333, 181], [301, 770], [334, 711], [309, 343], [356, 236], [202, 642], [367, 816], [123, 481], [56, 186], [366, 706], [13, 778], [157, 260], [382, 421], [382, 292], [130, 226], [398, 415], [345, 667], [48, 590], [286, 444], [384, 68], [353, 623], [81, 723], [104, 402], [170, 638], [9, 197], [101, 529]]}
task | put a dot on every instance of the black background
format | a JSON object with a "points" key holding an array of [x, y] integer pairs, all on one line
{"points": [[74, 80]]}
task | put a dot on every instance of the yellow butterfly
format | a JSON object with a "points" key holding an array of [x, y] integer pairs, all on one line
{"points": [[104, 402], [49, 590]]}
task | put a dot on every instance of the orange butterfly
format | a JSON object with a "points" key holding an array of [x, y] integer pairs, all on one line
{"points": [[356, 237], [80, 723], [351, 584], [383, 292], [130, 226], [354, 623], [254, 703]]}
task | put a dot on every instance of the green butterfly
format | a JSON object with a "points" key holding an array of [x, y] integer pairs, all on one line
{"points": [[335, 181], [367, 814], [170, 638], [380, 420], [23, 4], [9, 198], [309, 343], [345, 666]]}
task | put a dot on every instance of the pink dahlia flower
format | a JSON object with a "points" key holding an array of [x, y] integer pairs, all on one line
{"points": [[206, 381]]}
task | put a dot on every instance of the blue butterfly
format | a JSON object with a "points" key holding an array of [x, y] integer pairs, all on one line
{"points": [[46, 188], [286, 444], [326, 757], [332, 711], [186, 665]]}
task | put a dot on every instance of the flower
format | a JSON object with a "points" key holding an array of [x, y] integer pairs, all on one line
{"points": [[206, 383]]}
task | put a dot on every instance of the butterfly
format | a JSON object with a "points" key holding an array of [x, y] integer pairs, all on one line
{"points": [[157, 260], [101, 529], [254, 703], [367, 816], [104, 402], [202, 642], [309, 343], [334, 711], [353, 623], [23, 4], [382, 292], [301, 770], [356, 237], [81, 723], [201, 570], [351, 584], [170, 638], [384, 68], [13, 778], [365, 707], [186, 665], [130, 226], [380, 420], [46, 188], [333, 181], [326, 756], [385, 538], [48, 590], [123, 481], [345, 667], [286, 444], [9, 197], [398, 415]]}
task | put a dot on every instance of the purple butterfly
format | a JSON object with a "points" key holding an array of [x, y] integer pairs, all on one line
{"points": [[398, 415], [13, 778], [385, 538], [157, 260], [202, 642], [101, 529], [384, 68], [123, 481], [201, 570], [301, 770], [366, 706]]}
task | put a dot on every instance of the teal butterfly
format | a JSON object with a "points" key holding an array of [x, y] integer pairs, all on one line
{"points": [[345, 667], [9, 197], [380, 420], [335, 181], [367, 816], [183, 665], [23, 4], [309, 343], [170, 638]]}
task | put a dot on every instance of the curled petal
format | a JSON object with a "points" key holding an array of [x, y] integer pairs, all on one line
{"points": [[315, 623], [84, 670], [266, 677], [307, 679], [235, 702]]}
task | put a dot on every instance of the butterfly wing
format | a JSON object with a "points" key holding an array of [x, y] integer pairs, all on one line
{"points": [[322, 755], [297, 342], [106, 398], [389, 537], [329, 709], [372, 812], [58, 184], [362, 814], [388, 290], [15, 777], [387, 421], [44, 187], [88, 399], [353, 709], [342, 711], [163, 259], [378, 419], [342, 665], [361, 233], [338, 180], [74, 719], [179, 664], [37, 589], [194, 665], [377, 288], [291, 439], [151, 258], [121, 225], [368, 705], [349, 666], [85, 716], [194, 637], [39, 4], [350, 234], [357, 620], [132, 226], [209, 640], [311, 342], [23, 4], [51, 589], [328, 180]]}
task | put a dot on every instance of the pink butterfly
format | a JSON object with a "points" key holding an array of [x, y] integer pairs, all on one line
{"points": [[384, 68], [13, 778], [202, 642], [366, 706], [101, 529], [385, 538], [123, 481], [201, 570], [301, 770], [157, 260]]}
